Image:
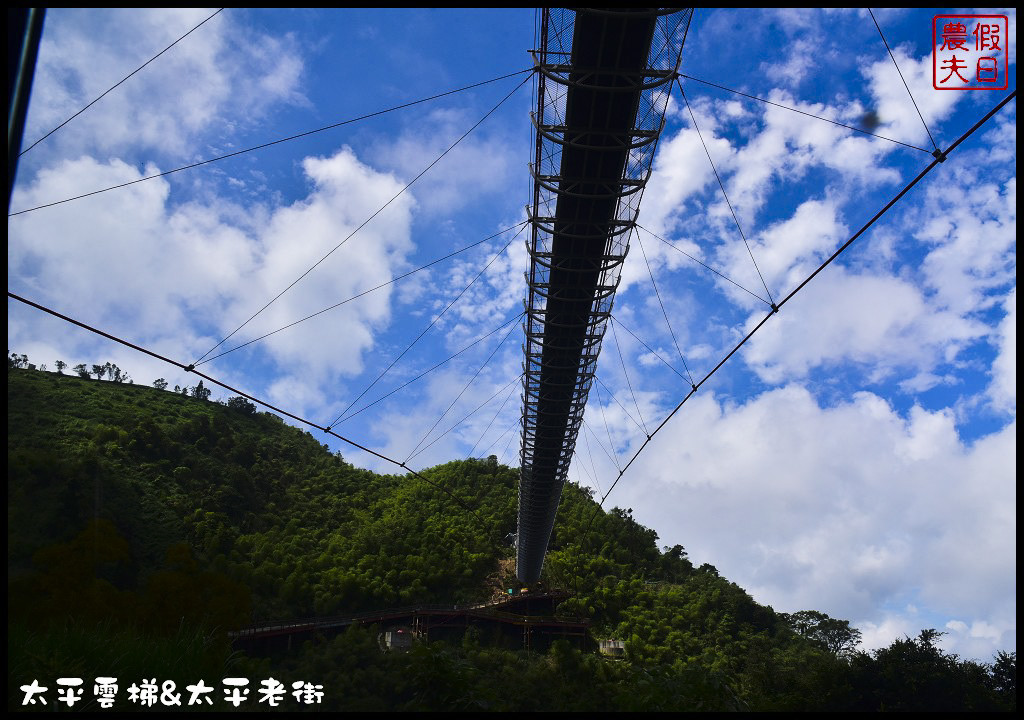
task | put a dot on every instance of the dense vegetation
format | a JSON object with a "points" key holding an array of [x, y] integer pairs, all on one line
{"points": [[144, 523]]}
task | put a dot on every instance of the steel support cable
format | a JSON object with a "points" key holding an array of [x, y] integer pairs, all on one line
{"points": [[498, 439], [253, 398], [426, 372], [622, 360], [600, 444], [459, 396], [511, 437], [938, 159], [473, 412], [802, 112], [608, 390], [886, 42], [580, 475], [119, 82], [654, 352], [703, 264], [369, 219], [359, 295], [273, 142], [724, 193], [593, 465], [341, 417], [663, 310], [495, 417], [607, 429]]}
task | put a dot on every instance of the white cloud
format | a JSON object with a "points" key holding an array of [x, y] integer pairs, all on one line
{"points": [[297, 236], [479, 165], [1003, 389], [845, 509], [879, 320], [786, 252], [189, 274], [681, 170], [913, 317], [224, 72], [123, 256], [789, 143], [973, 241], [804, 57], [896, 111], [881, 633], [495, 296]]}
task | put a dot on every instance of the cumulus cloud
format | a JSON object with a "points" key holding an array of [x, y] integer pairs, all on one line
{"points": [[192, 273], [879, 320], [1003, 390], [972, 242], [123, 258], [896, 113], [299, 235], [680, 171], [224, 69], [785, 252], [844, 509], [480, 165]]}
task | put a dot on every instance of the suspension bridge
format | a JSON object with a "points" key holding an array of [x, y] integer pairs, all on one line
{"points": [[603, 81], [600, 110]]}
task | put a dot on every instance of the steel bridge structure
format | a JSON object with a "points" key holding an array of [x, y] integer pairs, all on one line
{"points": [[602, 90]]}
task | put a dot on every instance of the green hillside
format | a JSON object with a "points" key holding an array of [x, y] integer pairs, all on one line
{"points": [[144, 524]]}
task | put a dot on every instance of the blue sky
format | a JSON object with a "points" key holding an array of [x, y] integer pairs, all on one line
{"points": [[857, 457]]}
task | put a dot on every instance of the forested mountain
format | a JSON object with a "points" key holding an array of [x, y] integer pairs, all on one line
{"points": [[144, 524]]}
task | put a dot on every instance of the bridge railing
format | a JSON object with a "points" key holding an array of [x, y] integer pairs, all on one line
{"points": [[481, 609]]}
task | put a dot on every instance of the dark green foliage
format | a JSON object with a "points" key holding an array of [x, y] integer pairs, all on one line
{"points": [[161, 521], [201, 393], [914, 674], [241, 405], [110, 649], [1004, 675], [437, 677], [831, 634]]}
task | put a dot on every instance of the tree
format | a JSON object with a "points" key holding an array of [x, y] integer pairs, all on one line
{"points": [[17, 361], [160, 384], [200, 393], [242, 405], [82, 370], [915, 674], [833, 635], [1004, 676], [100, 370], [60, 366]]}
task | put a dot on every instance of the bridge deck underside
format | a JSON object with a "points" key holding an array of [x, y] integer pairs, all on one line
{"points": [[600, 111]]}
